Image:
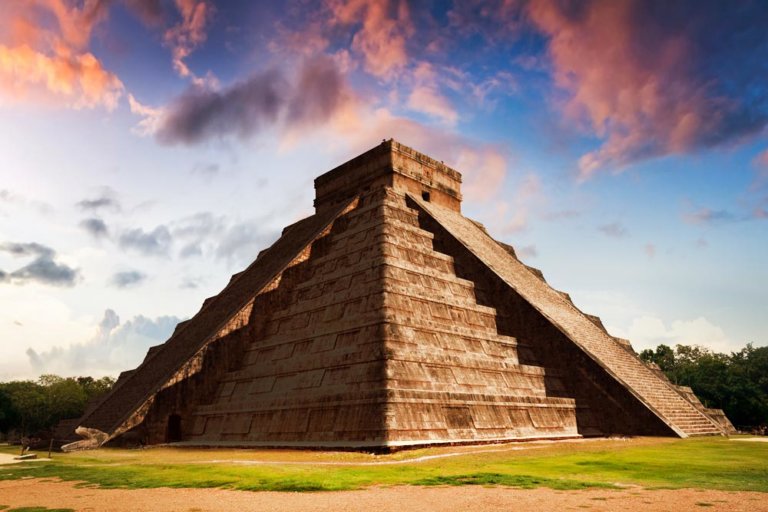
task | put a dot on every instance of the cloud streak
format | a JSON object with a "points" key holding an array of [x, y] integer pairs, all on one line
{"points": [[95, 227], [241, 109], [43, 268], [149, 243], [710, 216], [106, 200], [127, 279], [614, 230], [203, 234], [263, 101], [238, 243]]}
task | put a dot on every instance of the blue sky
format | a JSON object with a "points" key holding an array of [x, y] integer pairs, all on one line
{"points": [[151, 148]]}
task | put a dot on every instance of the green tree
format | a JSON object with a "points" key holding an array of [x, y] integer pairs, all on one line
{"points": [[706, 372], [28, 402], [736, 383], [748, 393], [66, 398], [94, 388], [30, 407], [8, 416], [663, 356]]}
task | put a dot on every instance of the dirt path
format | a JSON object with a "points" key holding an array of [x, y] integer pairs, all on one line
{"points": [[52, 494]]}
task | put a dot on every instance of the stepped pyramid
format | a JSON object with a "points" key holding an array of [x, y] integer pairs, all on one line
{"points": [[386, 320]]}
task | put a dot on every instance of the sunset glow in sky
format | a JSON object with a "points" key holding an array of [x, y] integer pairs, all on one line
{"points": [[150, 148]]}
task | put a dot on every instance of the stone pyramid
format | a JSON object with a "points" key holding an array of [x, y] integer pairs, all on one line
{"points": [[387, 320]]}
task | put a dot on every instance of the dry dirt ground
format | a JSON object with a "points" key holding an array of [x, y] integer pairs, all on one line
{"points": [[58, 494]]}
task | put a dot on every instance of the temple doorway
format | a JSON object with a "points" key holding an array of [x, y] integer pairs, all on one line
{"points": [[173, 431]]}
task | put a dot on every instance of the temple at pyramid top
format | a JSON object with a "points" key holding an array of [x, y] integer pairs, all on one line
{"points": [[390, 164], [385, 320]]}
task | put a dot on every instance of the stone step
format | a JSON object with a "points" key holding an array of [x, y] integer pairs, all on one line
{"points": [[432, 358], [454, 330], [445, 299], [430, 273], [431, 324], [700, 434], [379, 225]]}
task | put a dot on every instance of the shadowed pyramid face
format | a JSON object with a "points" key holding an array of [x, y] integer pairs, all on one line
{"points": [[388, 319]]}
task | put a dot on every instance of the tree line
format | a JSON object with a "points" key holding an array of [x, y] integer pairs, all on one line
{"points": [[737, 382], [32, 407]]}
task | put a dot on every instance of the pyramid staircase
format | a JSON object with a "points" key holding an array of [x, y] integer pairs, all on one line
{"points": [[388, 319], [624, 366]]}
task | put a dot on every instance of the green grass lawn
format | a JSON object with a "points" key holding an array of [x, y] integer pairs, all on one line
{"points": [[711, 463]]}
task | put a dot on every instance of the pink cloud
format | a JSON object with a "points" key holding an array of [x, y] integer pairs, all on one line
{"points": [[184, 37], [426, 97], [43, 54], [356, 123], [151, 117], [484, 169], [508, 213], [381, 39], [75, 23], [634, 74]]}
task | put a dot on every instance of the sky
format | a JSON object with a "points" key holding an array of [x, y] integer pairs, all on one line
{"points": [[150, 148]]}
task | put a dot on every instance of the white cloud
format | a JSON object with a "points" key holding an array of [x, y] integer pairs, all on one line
{"points": [[33, 316], [428, 100], [151, 117], [650, 331], [645, 328], [114, 347]]}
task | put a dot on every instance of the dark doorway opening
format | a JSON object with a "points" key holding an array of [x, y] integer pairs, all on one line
{"points": [[173, 432], [425, 196]]}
